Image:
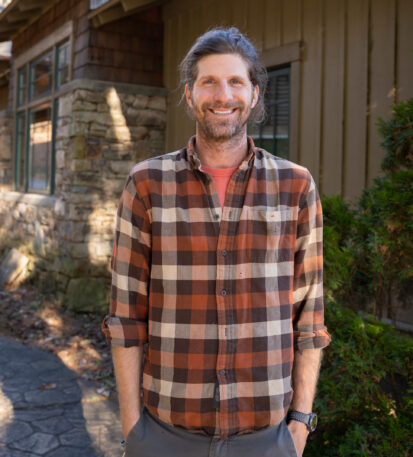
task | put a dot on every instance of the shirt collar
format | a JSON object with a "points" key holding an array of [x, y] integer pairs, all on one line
{"points": [[195, 163]]}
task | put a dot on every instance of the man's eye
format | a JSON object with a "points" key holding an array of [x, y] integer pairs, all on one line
{"points": [[236, 81], [209, 81]]}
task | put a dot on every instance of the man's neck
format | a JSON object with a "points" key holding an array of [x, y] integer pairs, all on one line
{"points": [[221, 154]]}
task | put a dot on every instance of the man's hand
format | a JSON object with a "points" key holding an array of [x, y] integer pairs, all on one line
{"points": [[299, 433], [128, 423]]}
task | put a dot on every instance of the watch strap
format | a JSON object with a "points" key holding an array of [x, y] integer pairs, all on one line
{"points": [[310, 420]]}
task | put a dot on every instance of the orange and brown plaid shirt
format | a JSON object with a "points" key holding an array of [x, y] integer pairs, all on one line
{"points": [[223, 297]]}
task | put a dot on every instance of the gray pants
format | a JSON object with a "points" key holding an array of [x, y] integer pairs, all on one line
{"points": [[151, 437]]}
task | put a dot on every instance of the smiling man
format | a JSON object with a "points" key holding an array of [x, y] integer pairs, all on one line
{"points": [[217, 268]]}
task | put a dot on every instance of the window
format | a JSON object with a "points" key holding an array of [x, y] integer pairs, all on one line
{"points": [[62, 64], [41, 76], [40, 134], [273, 134], [38, 82], [22, 86]]}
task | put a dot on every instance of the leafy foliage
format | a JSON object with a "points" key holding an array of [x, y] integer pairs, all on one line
{"points": [[369, 249], [365, 397], [385, 231], [397, 133], [364, 402]]}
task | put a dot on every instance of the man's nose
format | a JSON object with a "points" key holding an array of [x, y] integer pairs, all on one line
{"points": [[223, 92]]}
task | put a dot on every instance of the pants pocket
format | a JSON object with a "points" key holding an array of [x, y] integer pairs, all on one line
{"points": [[133, 437], [289, 441]]}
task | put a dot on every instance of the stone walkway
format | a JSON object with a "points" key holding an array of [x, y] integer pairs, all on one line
{"points": [[45, 410]]}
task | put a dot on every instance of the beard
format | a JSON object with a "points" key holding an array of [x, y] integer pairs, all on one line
{"points": [[215, 129]]}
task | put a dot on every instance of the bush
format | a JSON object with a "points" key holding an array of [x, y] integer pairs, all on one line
{"points": [[364, 400], [340, 266], [368, 249], [385, 231], [397, 134]]}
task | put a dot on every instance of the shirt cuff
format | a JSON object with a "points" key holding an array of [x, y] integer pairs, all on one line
{"points": [[124, 332], [311, 340]]}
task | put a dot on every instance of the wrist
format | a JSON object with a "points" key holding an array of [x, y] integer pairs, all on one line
{"points": [[298, 427], [309, 420]]}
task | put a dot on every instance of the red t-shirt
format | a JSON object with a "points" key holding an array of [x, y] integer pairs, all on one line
{"points": [[221, 178]]}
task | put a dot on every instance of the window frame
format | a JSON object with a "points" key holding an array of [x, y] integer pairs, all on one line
{"points": [[289, 55], [50, 99], [257, 131]]}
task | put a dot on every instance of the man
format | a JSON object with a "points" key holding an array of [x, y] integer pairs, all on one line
{"points": [[217, 266]]}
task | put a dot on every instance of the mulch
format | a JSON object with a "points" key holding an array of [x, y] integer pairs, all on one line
{"points": [[37, 320]]}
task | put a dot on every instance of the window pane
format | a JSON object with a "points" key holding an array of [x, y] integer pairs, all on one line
{"points": [[22, 86], [62, 64], [273, 133], [20, 150], [40, 149], [41, 76]]}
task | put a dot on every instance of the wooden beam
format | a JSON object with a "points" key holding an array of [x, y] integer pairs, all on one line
{"points": [[102, 8], [109, 15], [18, 16], [8, 28], [29, 5], [129, 5], [281, 55]]}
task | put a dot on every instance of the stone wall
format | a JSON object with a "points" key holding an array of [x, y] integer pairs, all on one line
{"points": [[102, 131], [5, 148]]}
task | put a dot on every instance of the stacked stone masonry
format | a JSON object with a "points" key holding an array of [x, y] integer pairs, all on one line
{"points": [[101, 133]]}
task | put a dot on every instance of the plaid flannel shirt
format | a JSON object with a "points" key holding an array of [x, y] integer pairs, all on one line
{"points": [[223, 297]]}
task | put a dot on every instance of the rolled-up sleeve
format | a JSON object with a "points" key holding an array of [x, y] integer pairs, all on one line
{"points": [[127, 322], [308, 309]]}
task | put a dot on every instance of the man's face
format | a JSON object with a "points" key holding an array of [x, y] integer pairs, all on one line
{"points": [[222, 96]]}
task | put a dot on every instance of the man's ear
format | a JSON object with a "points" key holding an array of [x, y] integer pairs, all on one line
{"points": [[188, 95], [255, 96]]}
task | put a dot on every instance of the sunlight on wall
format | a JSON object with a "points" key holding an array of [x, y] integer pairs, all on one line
{"points": [[119, 124], [6, 413]]}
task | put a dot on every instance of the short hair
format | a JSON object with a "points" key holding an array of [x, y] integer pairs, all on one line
{"points": [[229, 40]]}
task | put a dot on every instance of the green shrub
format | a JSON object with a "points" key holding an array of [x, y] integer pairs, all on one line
{"points": [[345, 275], [368, 250], [397, 134], [339, 231], [385, 232], [363, 399]]}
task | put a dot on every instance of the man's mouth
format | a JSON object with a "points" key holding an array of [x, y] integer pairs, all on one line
{"points": [[223, 112]]}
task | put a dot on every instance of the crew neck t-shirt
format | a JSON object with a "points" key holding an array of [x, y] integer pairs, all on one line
{"points": [[221, 177]]}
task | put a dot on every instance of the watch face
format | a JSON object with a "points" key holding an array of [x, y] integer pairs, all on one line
{"points": [[313, 421]]}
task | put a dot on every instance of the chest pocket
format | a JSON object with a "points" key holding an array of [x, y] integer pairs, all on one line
{"points": [[266, 222], [269, 232]]}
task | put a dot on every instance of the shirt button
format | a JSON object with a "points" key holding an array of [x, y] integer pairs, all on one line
{"points": [[224, 292], [224, 252], [216, 216], [222, 372]]}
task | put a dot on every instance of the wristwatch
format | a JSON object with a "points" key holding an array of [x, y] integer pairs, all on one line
{"points": [[310, 420]]}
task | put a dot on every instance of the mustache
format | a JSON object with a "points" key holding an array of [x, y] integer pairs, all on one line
{"points": [[221, 106]]}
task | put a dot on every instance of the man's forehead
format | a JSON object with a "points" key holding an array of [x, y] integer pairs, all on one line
{"points": [[221, 64]]}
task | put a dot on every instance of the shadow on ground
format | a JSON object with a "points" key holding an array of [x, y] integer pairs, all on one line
{"points": [[45, 410]]}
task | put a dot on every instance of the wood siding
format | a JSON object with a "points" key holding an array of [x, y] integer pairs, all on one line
{"points": [[128, 50], [356, 61]]}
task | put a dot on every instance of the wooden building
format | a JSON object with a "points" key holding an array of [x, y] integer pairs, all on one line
{"points": [[93, 87], [348, 62]]}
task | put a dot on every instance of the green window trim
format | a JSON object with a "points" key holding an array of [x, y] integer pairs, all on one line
{"points": [[34, 159]]}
